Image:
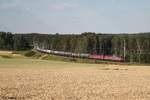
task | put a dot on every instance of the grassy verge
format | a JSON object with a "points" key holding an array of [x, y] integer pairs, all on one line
{"points": [[33, 54], [23, 63]]}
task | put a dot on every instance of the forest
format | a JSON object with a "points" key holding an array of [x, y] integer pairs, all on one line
{"points": [[135, 47]]}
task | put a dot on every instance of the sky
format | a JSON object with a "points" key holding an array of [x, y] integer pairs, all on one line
{"points": [[75, 16]]}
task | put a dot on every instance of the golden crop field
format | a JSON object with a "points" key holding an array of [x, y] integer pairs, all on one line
{"points": [[32, 79]]}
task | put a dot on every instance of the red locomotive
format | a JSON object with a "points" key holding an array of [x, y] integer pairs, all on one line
{"points": [[113, 58]]}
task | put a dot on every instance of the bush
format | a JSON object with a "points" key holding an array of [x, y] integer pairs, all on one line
{"points": [[30, 53], [6, 56]]}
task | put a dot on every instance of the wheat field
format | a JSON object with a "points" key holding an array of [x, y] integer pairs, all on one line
{"points": [[30, 79]]}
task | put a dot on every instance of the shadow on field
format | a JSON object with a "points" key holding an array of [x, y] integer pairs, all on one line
{"points": [[113, 69]]}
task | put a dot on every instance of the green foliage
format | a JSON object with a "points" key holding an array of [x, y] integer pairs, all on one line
{"points": [[6, 56], [20, 43], [30, 53], [6, 41]]}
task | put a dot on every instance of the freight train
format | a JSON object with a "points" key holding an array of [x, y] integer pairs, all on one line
{"points": [[81, 55]]}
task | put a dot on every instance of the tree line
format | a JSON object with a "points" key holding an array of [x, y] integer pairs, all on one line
{"points": [[134, 47]]}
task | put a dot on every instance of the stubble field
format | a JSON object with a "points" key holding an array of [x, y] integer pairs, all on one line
{"points": [[31, 79]]}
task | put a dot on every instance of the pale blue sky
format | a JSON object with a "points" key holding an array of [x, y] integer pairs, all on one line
{"points": [[75, 16]]}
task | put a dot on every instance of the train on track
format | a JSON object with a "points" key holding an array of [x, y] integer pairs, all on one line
{"points": [[82, 55]]}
